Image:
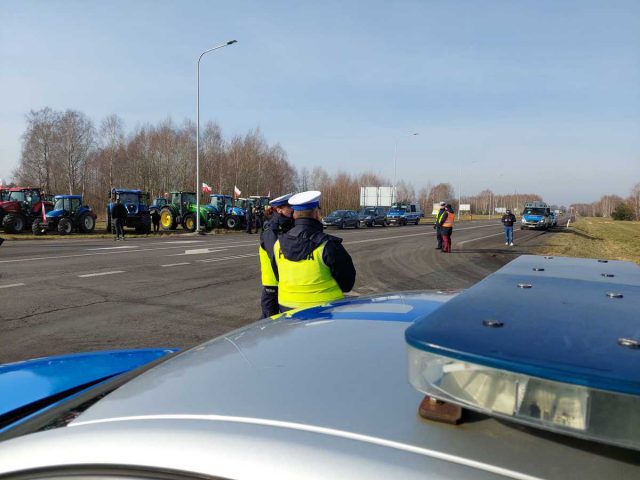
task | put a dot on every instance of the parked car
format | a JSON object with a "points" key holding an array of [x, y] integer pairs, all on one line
{"points": [[342, 219], [371, 216], [323, 392], [404, 214]]}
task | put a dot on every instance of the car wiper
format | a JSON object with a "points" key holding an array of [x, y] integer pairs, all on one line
{"points": [[29, 409]]}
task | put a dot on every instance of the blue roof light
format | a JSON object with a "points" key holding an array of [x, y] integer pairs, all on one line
{"points": [[562, 355]]}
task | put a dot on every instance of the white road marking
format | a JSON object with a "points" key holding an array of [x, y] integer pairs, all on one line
{"points": [[113, 248], [12, 285], [479, 238], [176, 264], [100, 274], [180, 242], [209, 260], [413, 235], [201, 251]]}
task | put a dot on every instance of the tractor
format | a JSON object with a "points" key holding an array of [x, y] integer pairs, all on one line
{"points": [[232, 217], [137, 205], [68, 215], [21, 207], [181, 210], [158, 204]]}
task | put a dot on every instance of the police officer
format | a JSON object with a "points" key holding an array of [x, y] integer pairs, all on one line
{"points": [[281, 221], [438, 225], [248, 217], [312, 267]]}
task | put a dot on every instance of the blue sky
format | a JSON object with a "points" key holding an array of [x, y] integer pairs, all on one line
{"points": [[535, 96]]}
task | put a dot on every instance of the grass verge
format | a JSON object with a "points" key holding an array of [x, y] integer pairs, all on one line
{"points": [[592, 237]]}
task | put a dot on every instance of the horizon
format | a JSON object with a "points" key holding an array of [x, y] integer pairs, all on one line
{"points": [[538, 97]]}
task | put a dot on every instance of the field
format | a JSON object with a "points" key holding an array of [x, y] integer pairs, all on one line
{"points": [[596, 238]]}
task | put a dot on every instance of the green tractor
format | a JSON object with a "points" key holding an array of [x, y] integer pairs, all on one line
{"points": [[181, 210]]}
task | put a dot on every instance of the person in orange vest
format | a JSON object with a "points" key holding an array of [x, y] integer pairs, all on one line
{"points": [[447, 228]]}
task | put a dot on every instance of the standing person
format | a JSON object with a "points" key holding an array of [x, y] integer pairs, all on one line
{"points": [[508, 219], [155, 219], [281, 221], [447, 228], [119, 216], [438, 225], [248, 218], [311, 266]]}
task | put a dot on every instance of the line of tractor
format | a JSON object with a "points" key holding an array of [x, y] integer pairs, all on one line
{"points": [[30, 209]]}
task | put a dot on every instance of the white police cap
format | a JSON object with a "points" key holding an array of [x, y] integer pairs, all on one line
{"points": [[280, 201], [305, 200]]}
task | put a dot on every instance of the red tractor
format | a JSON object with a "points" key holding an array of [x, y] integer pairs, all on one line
{"points": [[21, 207]]}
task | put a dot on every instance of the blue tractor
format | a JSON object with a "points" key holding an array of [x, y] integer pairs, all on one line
{"points": [[69, 215], [137, 204], [229, 215]]}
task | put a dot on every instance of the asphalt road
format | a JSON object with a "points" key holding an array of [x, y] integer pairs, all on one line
{"points": [[70, 295]]}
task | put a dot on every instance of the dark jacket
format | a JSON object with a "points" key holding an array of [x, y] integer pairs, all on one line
{"points": [[276, 226], [305, 237], [508, 219], [442, 219], [119, 211]]}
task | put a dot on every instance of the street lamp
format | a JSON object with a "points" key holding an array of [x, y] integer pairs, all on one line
{"points": [[395, 159], [460, 190], [226, 44]]}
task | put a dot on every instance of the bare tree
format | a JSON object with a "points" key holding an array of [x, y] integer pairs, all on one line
{"points": [[76, 135], [111, 141]]}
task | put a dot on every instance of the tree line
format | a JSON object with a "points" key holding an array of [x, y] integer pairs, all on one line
{"points": [[613, 206], [65, 152]]}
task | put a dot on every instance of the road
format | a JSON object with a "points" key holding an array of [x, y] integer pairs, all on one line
{"points": [[70, 295]]}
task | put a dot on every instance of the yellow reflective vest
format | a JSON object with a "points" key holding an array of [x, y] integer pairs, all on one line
{"points": [[307, 282], [269, 278]]}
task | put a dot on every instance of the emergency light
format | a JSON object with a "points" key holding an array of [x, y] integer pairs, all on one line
{"points": [[549, 342]]}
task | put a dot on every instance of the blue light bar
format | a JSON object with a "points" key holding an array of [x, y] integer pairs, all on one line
{"points": [[550, 342]]}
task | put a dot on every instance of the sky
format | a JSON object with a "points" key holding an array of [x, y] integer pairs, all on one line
{"points": [[513, 96]]}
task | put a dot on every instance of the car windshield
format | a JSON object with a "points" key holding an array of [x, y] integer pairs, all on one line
{"points": [[160, 202], [338, 213], [368, 211], [534, 211], [128, 198], [398, 210]]}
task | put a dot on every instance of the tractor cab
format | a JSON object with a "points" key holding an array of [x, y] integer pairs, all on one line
{"points": [[182, 210], [157, 204], [68, 215], [230, 215], [21, 207]]}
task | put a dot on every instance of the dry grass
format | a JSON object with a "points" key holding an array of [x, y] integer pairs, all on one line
{"points": [[596, 238]]}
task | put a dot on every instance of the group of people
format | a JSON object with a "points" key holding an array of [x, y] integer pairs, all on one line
{"points": [[301, 265], [254, 218], [444, 227]]}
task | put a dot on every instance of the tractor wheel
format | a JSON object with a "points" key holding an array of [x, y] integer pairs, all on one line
{"points": [[65, 227], [167, 219], [38, 227], [13, 223], [189, 222], [87, 223], [232, 223]]}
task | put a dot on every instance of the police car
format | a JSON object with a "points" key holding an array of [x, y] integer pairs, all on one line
{"points": [[444, 385]]}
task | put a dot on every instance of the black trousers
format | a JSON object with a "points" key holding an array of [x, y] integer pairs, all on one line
{"points": [[156, 226], [439, 236], [119, 222]]}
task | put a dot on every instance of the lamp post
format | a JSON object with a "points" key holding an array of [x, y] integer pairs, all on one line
{"points": [[226, 44], [460, 190], [395, 160]]}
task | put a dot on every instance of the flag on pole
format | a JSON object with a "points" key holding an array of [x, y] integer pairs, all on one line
{"points": [[236, 191], [206, 188]]}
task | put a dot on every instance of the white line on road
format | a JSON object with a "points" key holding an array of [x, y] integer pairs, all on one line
{"points": [[480, 238], [12, 285], [113, 248], [176, 264], [199, 251], [100, 274], [413, 235], [209, 260]]}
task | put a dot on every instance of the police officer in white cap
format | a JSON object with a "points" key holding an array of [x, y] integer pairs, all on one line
{"points": [[312, 266], [281, 221]]}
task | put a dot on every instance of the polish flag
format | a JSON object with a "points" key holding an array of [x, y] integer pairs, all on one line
{"points": [[206, 188], [236, 191]]}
